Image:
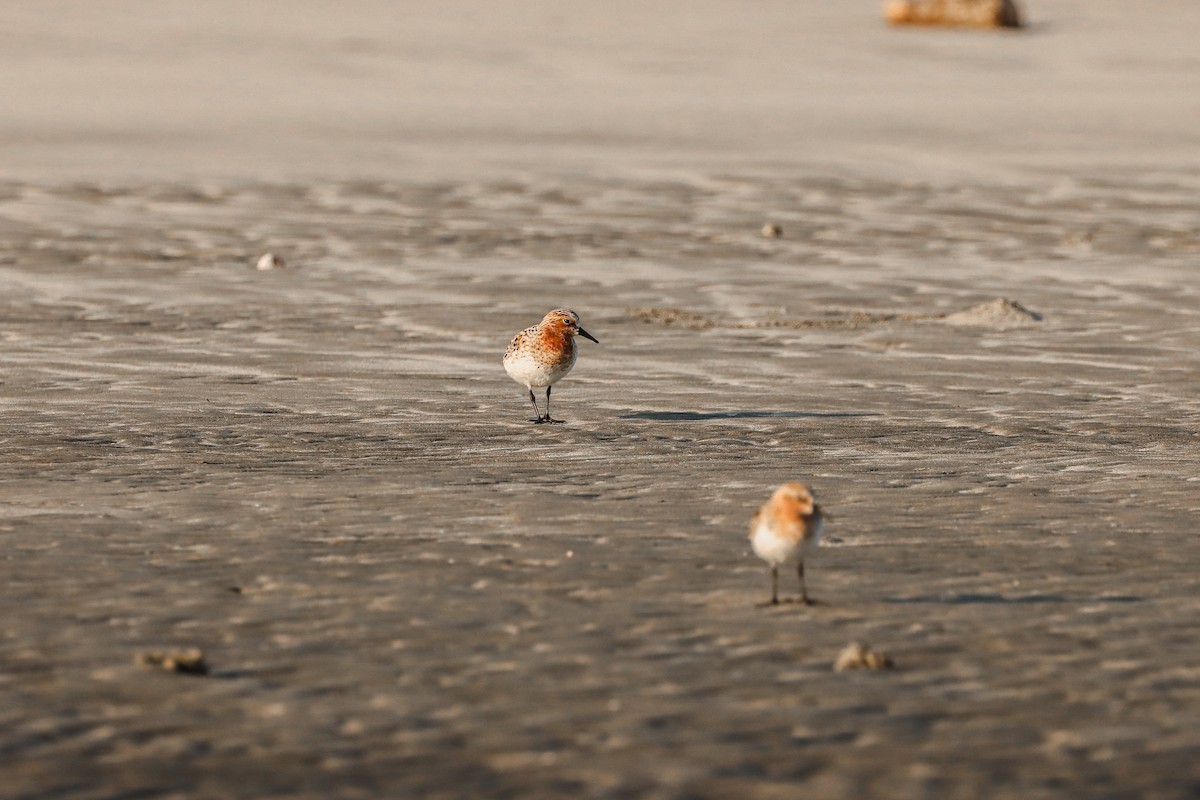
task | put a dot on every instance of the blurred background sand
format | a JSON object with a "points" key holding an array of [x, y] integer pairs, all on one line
{"points": [[408, 90]]}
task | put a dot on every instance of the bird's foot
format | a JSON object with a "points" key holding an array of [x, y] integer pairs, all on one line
{"points": [[553, 421], [538, 421], [804, 601], [767, 603]]}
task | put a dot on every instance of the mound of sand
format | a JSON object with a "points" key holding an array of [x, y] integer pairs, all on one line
{"points": [[858, 655], [999, 313]]}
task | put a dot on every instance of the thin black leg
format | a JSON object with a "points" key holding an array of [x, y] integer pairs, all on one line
{"points": [[548, 417], [803, 589], [774, 601], [537, 412]]}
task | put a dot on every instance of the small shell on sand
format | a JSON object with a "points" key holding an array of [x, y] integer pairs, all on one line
{"points": [[772, 231], [271, 261], [190, 661], [999, 313], [953, 13], [857, 655]]}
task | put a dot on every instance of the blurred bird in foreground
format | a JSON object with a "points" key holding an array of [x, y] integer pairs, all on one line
{"points": [[783, 530]]}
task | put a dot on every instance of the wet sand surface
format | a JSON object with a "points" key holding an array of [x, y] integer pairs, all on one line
{"points": [[322, 477]]}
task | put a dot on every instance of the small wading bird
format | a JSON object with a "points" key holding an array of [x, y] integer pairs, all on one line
{"points": [[783, 530], [544, 354]]}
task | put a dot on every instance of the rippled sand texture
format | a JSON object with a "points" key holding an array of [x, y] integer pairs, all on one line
{"points": [[322, 477]]}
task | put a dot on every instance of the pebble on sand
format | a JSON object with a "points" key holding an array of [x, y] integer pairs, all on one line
{"points": [[271, 261], [772, 231], [999, 313], [953, 13], [190, 661], [857, 655]]}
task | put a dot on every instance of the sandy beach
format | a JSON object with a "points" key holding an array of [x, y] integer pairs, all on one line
{"points": [[321, 476]]}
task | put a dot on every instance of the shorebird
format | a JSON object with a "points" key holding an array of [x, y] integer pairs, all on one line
{"points": [[544, 354], [783, 530]]}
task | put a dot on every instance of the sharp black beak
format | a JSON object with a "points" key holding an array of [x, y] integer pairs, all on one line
{"points": [[582, 332]]}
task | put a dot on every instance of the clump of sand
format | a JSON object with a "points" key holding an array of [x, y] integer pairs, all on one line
{"points": [[970, 13], [999, 313], [857, 655], [271, 261], [190, 661]]}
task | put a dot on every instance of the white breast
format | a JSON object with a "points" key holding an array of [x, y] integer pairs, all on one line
{"points": [[776, 549], [535, 374]]}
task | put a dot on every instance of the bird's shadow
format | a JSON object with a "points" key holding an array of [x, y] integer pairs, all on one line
{"points": [[701, 416], [968, 598]]}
